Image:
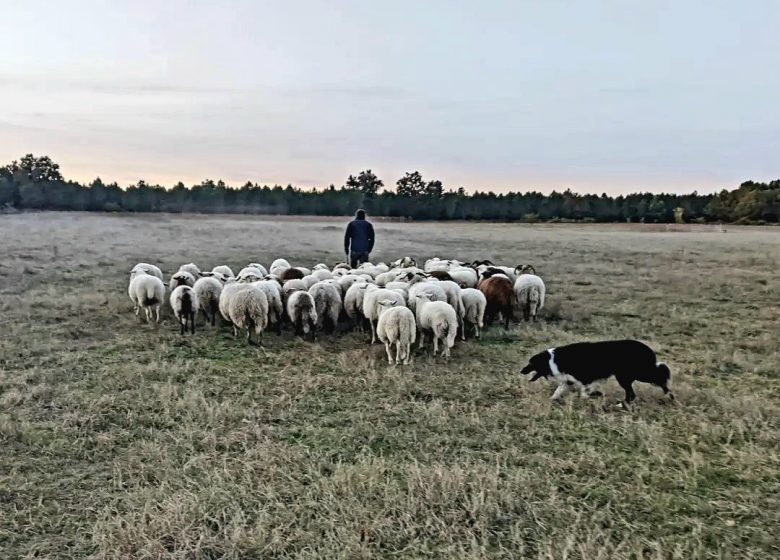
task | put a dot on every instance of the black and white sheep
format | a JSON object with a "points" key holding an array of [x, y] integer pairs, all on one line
{"points": [[184, 304], [207, 292]]}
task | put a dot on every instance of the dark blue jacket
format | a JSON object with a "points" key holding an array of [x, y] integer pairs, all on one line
{"points": [[361, 235]]}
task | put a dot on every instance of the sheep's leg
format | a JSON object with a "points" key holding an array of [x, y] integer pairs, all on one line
{"points": [[389, 353], [561, 391], [462, 329], [192, 323], [407, 352], [157, 309], [476, 328], [435, 344], [398, 352], [373, 332], [507, 315], [421, 338], [182, 324], [136, 309]]}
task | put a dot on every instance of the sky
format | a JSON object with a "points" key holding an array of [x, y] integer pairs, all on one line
{"points": [[609, 96]]}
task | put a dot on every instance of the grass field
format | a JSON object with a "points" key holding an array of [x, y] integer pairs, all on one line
{"points": [[121, 441]]}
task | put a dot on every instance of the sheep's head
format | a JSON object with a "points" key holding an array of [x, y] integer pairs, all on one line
{"points": [[525, 269], [385, 304], [424, 296]]}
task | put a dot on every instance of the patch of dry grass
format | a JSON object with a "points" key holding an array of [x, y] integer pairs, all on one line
{"points": [[121, 441]]}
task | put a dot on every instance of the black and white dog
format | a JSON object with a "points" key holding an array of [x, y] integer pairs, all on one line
{"points": [[584, 364]]}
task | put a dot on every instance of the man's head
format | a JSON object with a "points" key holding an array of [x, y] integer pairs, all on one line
{"points": [[360, 214]]}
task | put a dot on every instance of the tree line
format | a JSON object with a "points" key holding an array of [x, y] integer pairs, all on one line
{"points": [[37, 183]]}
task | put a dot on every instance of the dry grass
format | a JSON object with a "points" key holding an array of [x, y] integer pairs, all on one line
{"points": [[119, 441]]}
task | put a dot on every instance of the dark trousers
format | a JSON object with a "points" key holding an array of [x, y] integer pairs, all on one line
{"points": [[357, 258]]}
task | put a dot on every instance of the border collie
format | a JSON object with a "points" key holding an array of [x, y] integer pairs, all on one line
{"points": [[585, 364]]}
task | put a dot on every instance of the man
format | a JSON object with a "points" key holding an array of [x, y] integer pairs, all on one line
{"points": [[359, 239]]}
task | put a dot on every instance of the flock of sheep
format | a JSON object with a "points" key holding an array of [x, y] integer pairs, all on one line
{"points": [[400, 302]]}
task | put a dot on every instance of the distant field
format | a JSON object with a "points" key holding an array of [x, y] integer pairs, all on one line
{"points": [[121, 441]]}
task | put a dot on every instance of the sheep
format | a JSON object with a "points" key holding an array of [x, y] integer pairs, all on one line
{"points": [[223, 269], [370, 310], [440, 319], [291, 274], [248, 309], [524, 269], [340, 272], [184, 303], [293, 286], [250, 274], [181, 278], [228, 291], [396, 325], [327, 303], [474, 303], [278, 266], [320, 266], [404, 262], [385, 277], [309, 280], [399, 287], [500, 297], [322, 274], [146, 268], [437, 293], [347, 281], [529, 293], [146, 291], [464, 277], [207, 292], [259, 267], [273, 292], [302, 313], [191, 268], [217, 276], [440, 275], [353, 302], [454, 299]]}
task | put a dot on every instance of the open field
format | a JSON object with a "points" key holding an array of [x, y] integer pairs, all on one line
{"points": [[121, 441]]}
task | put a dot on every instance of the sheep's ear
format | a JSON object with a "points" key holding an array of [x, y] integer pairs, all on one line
{"points": [[207, 274]]}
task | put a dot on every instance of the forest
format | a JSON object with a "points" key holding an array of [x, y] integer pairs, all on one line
{"points": [[36, 183]]}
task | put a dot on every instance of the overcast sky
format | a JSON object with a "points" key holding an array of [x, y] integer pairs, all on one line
{"points": [[611, 96]]}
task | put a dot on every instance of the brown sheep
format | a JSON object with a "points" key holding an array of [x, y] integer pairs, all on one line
{"points": [[291, 274], [500, 296]]}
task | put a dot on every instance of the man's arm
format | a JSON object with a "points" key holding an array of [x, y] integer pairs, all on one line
{"points": [[370, 237], [347, 238]]}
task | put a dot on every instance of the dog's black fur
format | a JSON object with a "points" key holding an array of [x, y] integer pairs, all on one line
{"points": [[588, 362]]}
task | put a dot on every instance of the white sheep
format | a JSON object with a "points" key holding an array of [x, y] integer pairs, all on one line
{"points": [[258, 266], [320, 266], [184, 303], [474, 304], [403, 262], [309, 280], [278, 266], [147, 292], [464, 277], [453, 292], [327, 303], [432, 287], [207, 292], [291, 286], [146, 268], [248, 309], [181, 278], [191, 268], [439, 318], [353, 302], [302, 313], [228, 291], [273, 291], [250, 274], [322, 274], [370, 308], [224, 270], [530, 291], [396, 325]]}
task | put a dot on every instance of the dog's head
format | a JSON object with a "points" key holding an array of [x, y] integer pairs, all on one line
{"points": [[539, 364]]}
